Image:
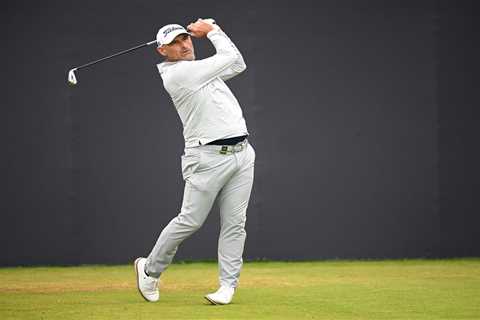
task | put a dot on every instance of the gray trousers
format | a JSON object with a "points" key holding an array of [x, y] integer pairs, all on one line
{"points": [[211, 175]]}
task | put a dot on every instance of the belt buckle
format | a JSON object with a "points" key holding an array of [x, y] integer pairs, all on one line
{"points": [[224, 150], [233, 149]]}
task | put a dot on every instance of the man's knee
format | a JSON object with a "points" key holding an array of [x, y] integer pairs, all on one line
{"points": [[187, 224]]}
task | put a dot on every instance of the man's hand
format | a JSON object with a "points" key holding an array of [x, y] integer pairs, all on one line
{"points": [[201, 27]]}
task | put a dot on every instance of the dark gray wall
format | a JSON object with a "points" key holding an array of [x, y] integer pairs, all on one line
{"points": [[459, 129], [364, 117]]}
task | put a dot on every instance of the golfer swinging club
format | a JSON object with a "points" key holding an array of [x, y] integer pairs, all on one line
{"points": [[218, 162]]}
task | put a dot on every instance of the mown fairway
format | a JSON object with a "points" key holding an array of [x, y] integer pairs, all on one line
{"points": [[399, 289]]}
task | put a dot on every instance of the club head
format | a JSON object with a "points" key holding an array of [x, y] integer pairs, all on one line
{"points": [[71, 77]]}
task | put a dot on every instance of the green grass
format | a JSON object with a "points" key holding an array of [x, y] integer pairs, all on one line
{"points": [[398, 289]]}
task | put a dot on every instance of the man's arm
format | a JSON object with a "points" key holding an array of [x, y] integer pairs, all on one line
{"points": [[236, 68], [226, 63]]}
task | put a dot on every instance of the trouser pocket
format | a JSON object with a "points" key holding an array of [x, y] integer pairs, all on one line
{"points": [[190, 162]]}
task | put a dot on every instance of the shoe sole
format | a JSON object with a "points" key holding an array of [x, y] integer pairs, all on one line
{"points": [[215, 303], [138, 284]]}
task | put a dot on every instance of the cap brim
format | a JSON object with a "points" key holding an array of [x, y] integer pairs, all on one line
{"points": [[173, 35]]}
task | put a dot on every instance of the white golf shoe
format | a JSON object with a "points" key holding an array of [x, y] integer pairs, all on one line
{"points": [[147, 286], [224, 295]]}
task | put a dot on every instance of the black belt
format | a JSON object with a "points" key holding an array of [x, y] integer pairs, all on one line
{"points": [[228, 142]]}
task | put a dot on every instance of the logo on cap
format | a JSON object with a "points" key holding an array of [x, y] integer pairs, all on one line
{"points": [[168, 30]]}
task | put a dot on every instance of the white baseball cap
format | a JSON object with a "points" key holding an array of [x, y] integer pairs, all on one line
{"points": [[167, 33]]}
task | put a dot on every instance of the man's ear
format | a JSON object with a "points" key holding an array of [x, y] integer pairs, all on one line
{"points": [[162, 51]]}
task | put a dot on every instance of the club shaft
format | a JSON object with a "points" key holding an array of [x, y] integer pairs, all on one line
{"points": [[116, 54]]}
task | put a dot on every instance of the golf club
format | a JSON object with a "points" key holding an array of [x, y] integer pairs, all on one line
{"points": [[72, 79]]}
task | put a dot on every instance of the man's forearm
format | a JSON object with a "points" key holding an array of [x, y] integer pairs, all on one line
{"points": [[224, 45]]}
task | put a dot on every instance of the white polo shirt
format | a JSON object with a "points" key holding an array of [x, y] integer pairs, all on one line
{"points": [[207, 108]]}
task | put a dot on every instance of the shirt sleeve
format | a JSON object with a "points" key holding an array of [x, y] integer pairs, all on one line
{"points": [[237, 67], [226, 63]]}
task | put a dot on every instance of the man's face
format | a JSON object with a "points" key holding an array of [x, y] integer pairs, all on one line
{"points": [[181, 48]]}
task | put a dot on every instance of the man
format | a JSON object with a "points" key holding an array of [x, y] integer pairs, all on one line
{"points": [[218, 162]]}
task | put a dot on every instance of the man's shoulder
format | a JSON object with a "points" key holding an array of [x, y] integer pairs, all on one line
{"points": [[174, 77], [165, 66], [174, 68]]}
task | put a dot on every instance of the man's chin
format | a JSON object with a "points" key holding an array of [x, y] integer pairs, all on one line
{"points": [[189, 57]]}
